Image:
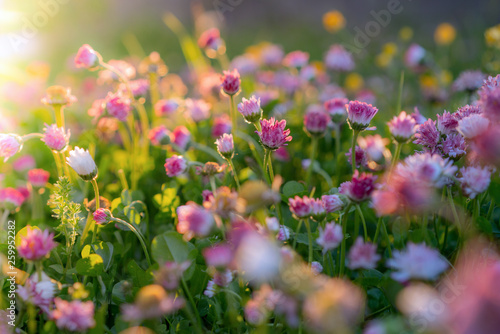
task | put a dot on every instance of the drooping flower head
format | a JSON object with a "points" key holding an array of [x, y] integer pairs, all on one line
{"points": [[102, 216], [363, 255], [11, 199], [176, 165], [273, 134], [402, 127], [250, 109], [118, 105], [9, 145], [336, 109], [36, 244], [38, 178], [474, 180], [330, 237], [74, 316], [86, 57], [359, 114], [339, 59], [231, 82], [194, 220], [360, 188], [225, 146], [83, 163], [166, 107], [316, 121], [55, 137], [300, 207]]}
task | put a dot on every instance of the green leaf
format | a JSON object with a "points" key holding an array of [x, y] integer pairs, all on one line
{"points": [[484, 225], [22, 233], [292, 188], [494, 190], [92, 265], [167, 199], [170, 246], [369, 277], [121, 291], [104, 249], [140, 277]]}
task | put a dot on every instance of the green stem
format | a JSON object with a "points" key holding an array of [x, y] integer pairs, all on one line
{"points": [[154, 94], [297, 230], [314, 148], [59, 115], [355, 134], [377, 231], [232, 109], [454, 209], [388, 240], [235, 174], [400, 92], [425, 221], [362, 221], [310, 240], [97, 205], [213, 185], [57, 159], [343, 244], [267, 157], [397, 153], [491, 209], [193, 306], [137, 234]]}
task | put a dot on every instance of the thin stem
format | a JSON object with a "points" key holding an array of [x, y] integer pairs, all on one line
{"points": [[3, 218], [39, 270], [213, 185], [310, 240], [314, 148], [425, 221], [267, 157], [234, 174], [232, 110], [193, 306], [397, 153], [137, 234], [154, 94], [57, 159], [97, 204], [453, 208], [123, 179], [387, 239], [377, 232], [343, 244], [297, 230], [355, 134], [362, 221], [337, 140], [59, 115], [491, 209]]}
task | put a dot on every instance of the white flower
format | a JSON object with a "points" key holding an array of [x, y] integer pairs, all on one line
{"points": [[83, 163], [472, 125]]}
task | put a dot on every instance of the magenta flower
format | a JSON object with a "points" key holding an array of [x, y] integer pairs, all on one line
{"points": [[222, 125], [360, 157], [225, 146], [250, 109], [74, 316], [332, 203], [487, 145], [24, 163], [11, 199], [210, 39], [159, 135], [339, 59], [273, 134], [9, 145], [139, 87], [447, 123], [330, 237], [118, 106], [39, 293], [469, 81], [465, 111], [300, 207], [474, 180], [86, 57], [102, 216], [296, 59], [359, 114], [197, 109], [281, 154], [427, 135], [417, 261], [454, 146], [336, 109], [418, 117], [180, 137], [38, 178], [472, 126], [489, 100], [231, 82], [360, 188], [219, 256], [176, 165], [427, 168], [318, 211], [169, 275], [363, 255], [272, 55], [166, 107], [402, 127], [414, 57], [316, 121], [36, 244], [55, 138], [283, 234], [194, 220]]}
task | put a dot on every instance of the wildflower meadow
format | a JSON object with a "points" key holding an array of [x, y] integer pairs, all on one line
{"points": [[265, 192]]}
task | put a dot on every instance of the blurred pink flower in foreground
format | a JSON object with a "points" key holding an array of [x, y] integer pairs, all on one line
{"points": [[36, 244], [38, 177], [330, 237], [363, 255], [9, 145], [194, 220], [75, 316]]}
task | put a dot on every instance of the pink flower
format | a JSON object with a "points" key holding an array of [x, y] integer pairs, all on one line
{"points": [[417, 261], [454, 146], [159, 135], [359, 114], [210, 39], [318, 211], [447, 123], [198, 110], [332, 203], [218, 256], [316, 121], [339, 59], [360, 188], [363, 255], [465, 111], [225, 146], [24, 191], [245, 64], [166, 107], [418, 117], [231, 82], [487, 145], [11, 199], [402, 127], [118, 106], [360, 157], [97, 108], [102, 216], [474, 180], [367, 96], [473, 125], [74, 316], [176, 165], [283, 234], [427, 168], [9, 145], [207, 195], [489, 101], [23, 163], [36, 244], [296, 59], [316, 267], [385, 202], [139, 87], [414, 57], [300, 207], [86, 57], [427, 135], [336, 109], [55, 138], [40, 293], [250, 109], [469, 81], [38, 177], [180, 137], [194, 220], [169, 275], [222, 125], [273, 134], [330, 237], [374, 147], [281, 154], [272, 55]]}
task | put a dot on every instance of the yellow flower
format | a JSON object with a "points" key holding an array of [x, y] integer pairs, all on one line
{"points": [[354, 82], [38, 69], [390, 49], [333, 21], [445, 77], [492, 36], [256, 49], [445, 34], [406, 33], [383, 60], [429, 81]]}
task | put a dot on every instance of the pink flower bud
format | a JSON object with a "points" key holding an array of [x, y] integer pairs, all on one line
{"points": [[225, 146], [250, 109], [222, 125], [180, 137], [86, 57], [273, 134], [336, 109], [102, 216], [166, 107], [330, 237], [300, 207], [55, 138], [175, 165], [316, 121], [194, 220], [74, 316], [363, 255], [402, 127], [159, 135], [11, 199], [332, 203], [231, 82], [359, 114], [360, 188], [219, 256], [9, 145]]}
